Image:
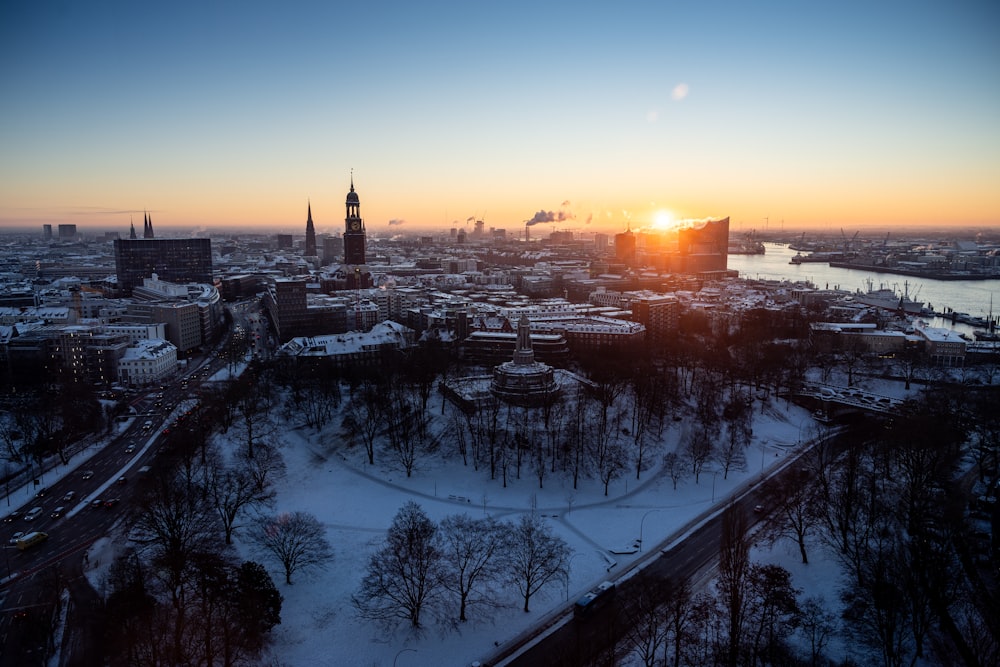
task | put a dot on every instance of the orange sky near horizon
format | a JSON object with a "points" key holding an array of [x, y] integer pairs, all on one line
{"points": [[801, 116]]}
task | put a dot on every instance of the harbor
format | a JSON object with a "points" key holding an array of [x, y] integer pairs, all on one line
{"points": [[958, 305]]}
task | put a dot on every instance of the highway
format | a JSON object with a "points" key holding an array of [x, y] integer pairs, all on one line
{"points": [[105, 488]]}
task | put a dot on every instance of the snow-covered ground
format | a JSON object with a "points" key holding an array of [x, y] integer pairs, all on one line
{"points": [[356, 503]]}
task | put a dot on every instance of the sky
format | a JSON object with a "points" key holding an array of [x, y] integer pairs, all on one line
{"points": [[599, 116]]}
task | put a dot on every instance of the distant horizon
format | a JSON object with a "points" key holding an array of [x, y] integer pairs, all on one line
{"points": [[537, 232]]}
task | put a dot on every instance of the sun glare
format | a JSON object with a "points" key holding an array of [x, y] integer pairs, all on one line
{"points": [[663, 220]]}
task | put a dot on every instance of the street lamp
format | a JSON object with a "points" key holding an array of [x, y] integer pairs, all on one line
{"points": [[401, 652], [640, 526]]}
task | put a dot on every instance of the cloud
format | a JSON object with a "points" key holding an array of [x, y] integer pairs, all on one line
{"points": [[679, 92], [396, 221]]}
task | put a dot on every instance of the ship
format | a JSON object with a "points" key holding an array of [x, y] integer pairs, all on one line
{"points": [[749, 245], [889, 299]]}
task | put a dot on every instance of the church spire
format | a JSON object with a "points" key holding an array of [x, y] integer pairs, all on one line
{"points": [[131, 225], [310, 232]]}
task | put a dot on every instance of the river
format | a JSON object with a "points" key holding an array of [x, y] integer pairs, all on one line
{"points": [[964, 296]]}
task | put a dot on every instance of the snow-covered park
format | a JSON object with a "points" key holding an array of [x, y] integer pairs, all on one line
{"points": [[356, 503]]}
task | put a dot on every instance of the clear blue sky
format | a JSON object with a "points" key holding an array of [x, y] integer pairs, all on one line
{"points": [[840, 114]]}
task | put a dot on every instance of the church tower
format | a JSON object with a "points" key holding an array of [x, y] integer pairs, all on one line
{"points": [[310, 233], [354, 230]]}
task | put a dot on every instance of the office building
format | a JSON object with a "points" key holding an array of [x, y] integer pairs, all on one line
{"points": [[173, 260]]}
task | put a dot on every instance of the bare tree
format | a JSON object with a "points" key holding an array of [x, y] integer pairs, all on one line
{"points": [[365, 415], [679, 612], [253, 413], [266, 467], [734, 569], [772, 610], [674, 467], [817, 625], [317, 398], [794, 514], [172, 528], [535, 556], [405, 427], [404, 576], [697, 448], [12, 439], [295, 540], [645, 619], [646, 397], [737, 413], [232, 493], [470, 562]]}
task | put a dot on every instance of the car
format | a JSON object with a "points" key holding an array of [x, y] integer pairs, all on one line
{"points": [[87, 474], [42, 492], [12, 516], [68, 498], [130, 448], [16, 536], [33, 514], [111, 502], [122, 480], [96, 502], [758, 508], [57, 512], [166, 431]]}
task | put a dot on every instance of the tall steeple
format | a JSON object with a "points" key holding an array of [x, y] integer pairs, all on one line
{"points": [[147, 228], [131, 225], [310, 233], [354, 230]]}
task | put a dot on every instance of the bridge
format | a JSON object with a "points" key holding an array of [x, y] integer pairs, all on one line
{"points": [[832, 401]]}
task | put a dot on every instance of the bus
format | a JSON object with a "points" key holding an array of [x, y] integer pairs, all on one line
{"points": [[594, 600], [29, 540]]}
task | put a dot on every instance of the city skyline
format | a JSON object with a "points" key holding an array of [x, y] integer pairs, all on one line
{"points": [[586, 118]]}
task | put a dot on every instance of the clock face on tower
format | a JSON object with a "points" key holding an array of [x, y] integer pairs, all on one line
{"points": [[355, 225]]}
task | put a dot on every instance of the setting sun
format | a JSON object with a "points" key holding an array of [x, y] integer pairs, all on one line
{"points": [[663, 220]]}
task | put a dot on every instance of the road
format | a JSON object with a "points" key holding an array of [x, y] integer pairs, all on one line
{"points": [[104, 488], [33, 580], [568, 642]]}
